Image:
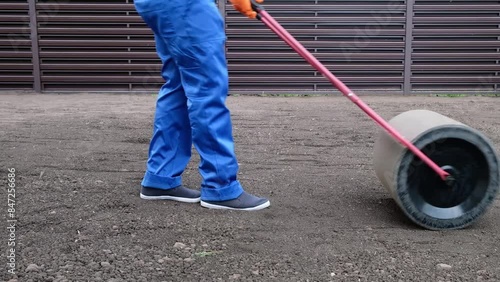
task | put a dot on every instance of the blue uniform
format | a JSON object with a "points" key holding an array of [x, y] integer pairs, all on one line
{"points": [[190, 109]]}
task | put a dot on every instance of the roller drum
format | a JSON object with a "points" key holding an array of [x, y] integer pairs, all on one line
{"points": [[457, 148]]}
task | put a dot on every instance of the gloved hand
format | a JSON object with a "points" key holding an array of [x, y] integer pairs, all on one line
{"points": [[245, 7]]}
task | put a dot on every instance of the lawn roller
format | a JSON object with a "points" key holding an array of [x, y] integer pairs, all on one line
{"points": [[441, 173]]}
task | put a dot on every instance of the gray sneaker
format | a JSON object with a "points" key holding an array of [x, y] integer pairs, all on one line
{"points": [[179, 193], [245, 202]]}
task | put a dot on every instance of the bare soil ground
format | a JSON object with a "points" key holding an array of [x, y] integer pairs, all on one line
{"points": [[79, 160]]}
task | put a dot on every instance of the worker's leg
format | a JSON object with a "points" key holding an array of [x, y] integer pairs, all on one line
{"points": [[170, 146], [205, 83], [200, 54], [195, 32]]}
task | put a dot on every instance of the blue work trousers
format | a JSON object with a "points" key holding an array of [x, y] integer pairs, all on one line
{"points": [[190, 108]]}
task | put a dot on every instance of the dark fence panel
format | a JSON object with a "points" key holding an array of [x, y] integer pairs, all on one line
{"points": [[16, 68], [362, 42], [456, 45], [95, 45], [398, 46]]}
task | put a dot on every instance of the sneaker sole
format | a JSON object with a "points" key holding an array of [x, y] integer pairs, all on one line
{"points": [[172, 198], [219, 207]]}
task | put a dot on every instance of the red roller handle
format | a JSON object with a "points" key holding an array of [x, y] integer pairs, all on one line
{"points": [[270, 22]]}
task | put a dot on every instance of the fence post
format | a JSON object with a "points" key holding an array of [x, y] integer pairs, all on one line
{"points": [[407, 86], [37, 83]]}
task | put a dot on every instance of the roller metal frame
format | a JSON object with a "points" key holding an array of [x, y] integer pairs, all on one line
{"points": [[272, 24]]}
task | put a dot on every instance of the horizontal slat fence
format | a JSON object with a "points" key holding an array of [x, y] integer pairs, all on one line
{"points": [[372, 45], [456, 45], [362, 42], [95, 45], [16, 68]]}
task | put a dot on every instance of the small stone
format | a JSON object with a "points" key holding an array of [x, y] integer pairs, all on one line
{"points": [[160, 261], [189, 259], [443, 266], [82, 238], [114, 280], [67, 266], [105, 264], [60, 278], [205, 245], [107, 251], [179, 245], [12, 280], [235, 276], [115, 227], [349, 264], [332, 274], [32, 268], [111, 257], [255, 272], [93, 265]]}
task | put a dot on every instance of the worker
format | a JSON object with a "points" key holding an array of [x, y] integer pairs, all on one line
{"points": [[190, 108]]}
